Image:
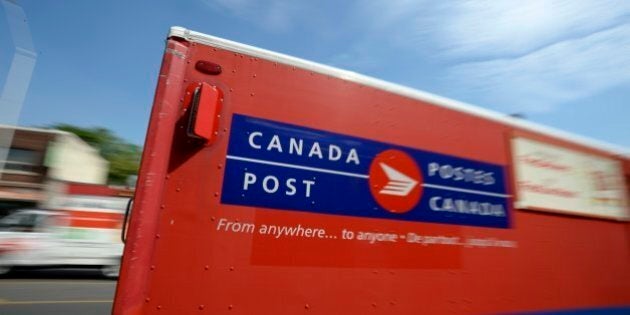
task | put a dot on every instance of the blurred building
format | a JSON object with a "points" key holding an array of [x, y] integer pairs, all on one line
{"points": [[38, 160]]}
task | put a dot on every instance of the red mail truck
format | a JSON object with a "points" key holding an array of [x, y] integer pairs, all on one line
{"points": [[274, 185]]}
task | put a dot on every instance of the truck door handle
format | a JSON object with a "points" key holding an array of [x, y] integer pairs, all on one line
{"points": [[205, 112], [123, 231]]}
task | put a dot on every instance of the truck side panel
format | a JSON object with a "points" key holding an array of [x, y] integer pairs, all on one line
{"points": [[194, 246]]}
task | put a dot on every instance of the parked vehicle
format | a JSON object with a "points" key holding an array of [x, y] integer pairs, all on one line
{"points": [[275, 185], [83, 233]]}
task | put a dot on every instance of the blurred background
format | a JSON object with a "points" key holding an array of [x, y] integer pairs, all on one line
{"points": [[77, 80]]}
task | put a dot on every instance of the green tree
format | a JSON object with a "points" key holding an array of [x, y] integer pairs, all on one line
{"points": [[123, 157]]}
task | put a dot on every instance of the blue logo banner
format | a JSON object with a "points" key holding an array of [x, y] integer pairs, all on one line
{"points": [[282, 166]]}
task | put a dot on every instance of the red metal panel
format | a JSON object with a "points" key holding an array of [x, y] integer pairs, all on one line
{"points": [[134, 275], [91, 189], [178, 262], [94, 219]]}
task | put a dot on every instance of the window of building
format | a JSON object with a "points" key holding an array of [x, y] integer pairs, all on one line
{"points": [[22, 161]]}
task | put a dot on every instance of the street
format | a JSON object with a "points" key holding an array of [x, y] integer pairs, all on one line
{"points": [[56, 292]]}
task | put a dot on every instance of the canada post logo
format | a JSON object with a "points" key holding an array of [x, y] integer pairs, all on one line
{"points": [[395, 181], [278, 166]]}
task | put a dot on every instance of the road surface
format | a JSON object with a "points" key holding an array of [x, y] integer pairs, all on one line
{"points": [[56, 292]]}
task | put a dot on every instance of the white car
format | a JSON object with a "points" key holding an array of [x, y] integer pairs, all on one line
{"points": [[47, 238]]}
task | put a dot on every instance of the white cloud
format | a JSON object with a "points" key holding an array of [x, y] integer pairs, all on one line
{"points": [[478, 29], [553, 75], [530, 55], [274, 15], [498, 28]]}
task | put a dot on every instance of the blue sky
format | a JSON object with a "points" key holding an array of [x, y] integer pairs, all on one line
{"points": [[565, 64]]}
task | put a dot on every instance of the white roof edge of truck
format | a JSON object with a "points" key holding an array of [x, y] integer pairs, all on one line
{"points": [[213, 41]]}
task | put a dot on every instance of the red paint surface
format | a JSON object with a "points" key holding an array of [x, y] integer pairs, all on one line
{"points": [[94, 219], [177, 260], [135, 275], [94, 190]]}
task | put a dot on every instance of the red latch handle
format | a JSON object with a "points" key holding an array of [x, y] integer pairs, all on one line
{"points": [[205, 112]]}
